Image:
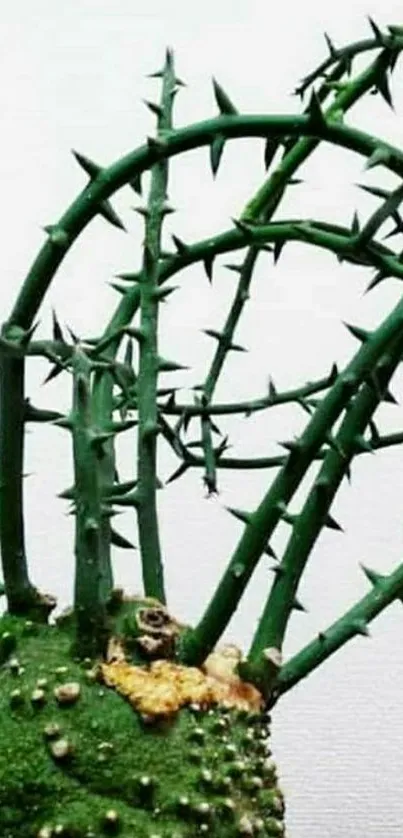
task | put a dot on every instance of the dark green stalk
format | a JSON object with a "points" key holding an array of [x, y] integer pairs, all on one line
{"points": [[385, 590], [309, 523], [19, 591], [261, 208], [149, 362], [243, 463], [249, 407], [90, 590], [198, 643]]}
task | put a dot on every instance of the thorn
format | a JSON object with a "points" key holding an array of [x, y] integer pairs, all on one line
{"points": [[243, 516], [163, 291], [178, 472], [384, 90], [277, 570], [130, 277], [223, 101], [379, 37], [216, 150], [165, 365], [92, 169], [315, 113], [208, 262], [332, 524], [331, 47], [106, 210], [272, 390], [135, 183], [380, 156], [157, 110], [271, 146], [119, 288], [372, 575], [322, 637], [362, 444], [377, 279], [57, 236], [360, 627], [57, 332], [334, 372], [181, 247], [355, 225], [361, 334], [278, 247], [119, 540], [298, 606]]}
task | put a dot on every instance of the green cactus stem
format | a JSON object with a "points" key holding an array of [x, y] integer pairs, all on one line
{"points": [[308, 524], [149, 362], [197, 643], [385, 590], [90, 588]]}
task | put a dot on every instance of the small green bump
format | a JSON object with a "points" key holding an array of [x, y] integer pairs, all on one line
{"points": [[197, 735], [230, 751], [274, 827], [17, 698], [14, 666], [111, 822], [245, 826], [253, 783], [203, 810], [237, 768], [52, 730], [8, 643]]}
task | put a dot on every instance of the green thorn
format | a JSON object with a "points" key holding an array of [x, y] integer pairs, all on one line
{"points": [[92, 169], [57, 236], [56, 329], [332, 524], [224, 103], [164, 365], [315, 113], [135, 183], [377, 279], [331, 47], [362, 444], [360, 627], [208, 262], [272, 144], [298, 606], [216, 150], [361, 334], [119, 540], [380, 156], [163, 291], [379, 37], [157, 110], [181, 247], [372, 575]]}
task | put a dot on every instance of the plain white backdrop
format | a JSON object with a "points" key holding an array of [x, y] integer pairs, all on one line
{"points": [[73, 76]]}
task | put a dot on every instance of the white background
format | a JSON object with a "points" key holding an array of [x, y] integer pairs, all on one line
{"points": [[72, 75]]}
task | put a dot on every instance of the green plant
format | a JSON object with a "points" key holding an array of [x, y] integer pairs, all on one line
{"points": [[340, 410]]}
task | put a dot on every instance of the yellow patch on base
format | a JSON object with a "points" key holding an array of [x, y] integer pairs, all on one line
{"points": [[163, 687]]}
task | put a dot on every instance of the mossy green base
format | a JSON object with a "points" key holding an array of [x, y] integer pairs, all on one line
{"points": [[203, 772]]}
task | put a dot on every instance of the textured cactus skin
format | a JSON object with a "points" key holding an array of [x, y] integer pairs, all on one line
{"points": [[196, 762]]}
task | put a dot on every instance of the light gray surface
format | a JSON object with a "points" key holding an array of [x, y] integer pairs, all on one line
{"points": [[72, 76]]}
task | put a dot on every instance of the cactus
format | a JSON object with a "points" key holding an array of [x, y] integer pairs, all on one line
{"points": [[87, 701]]}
